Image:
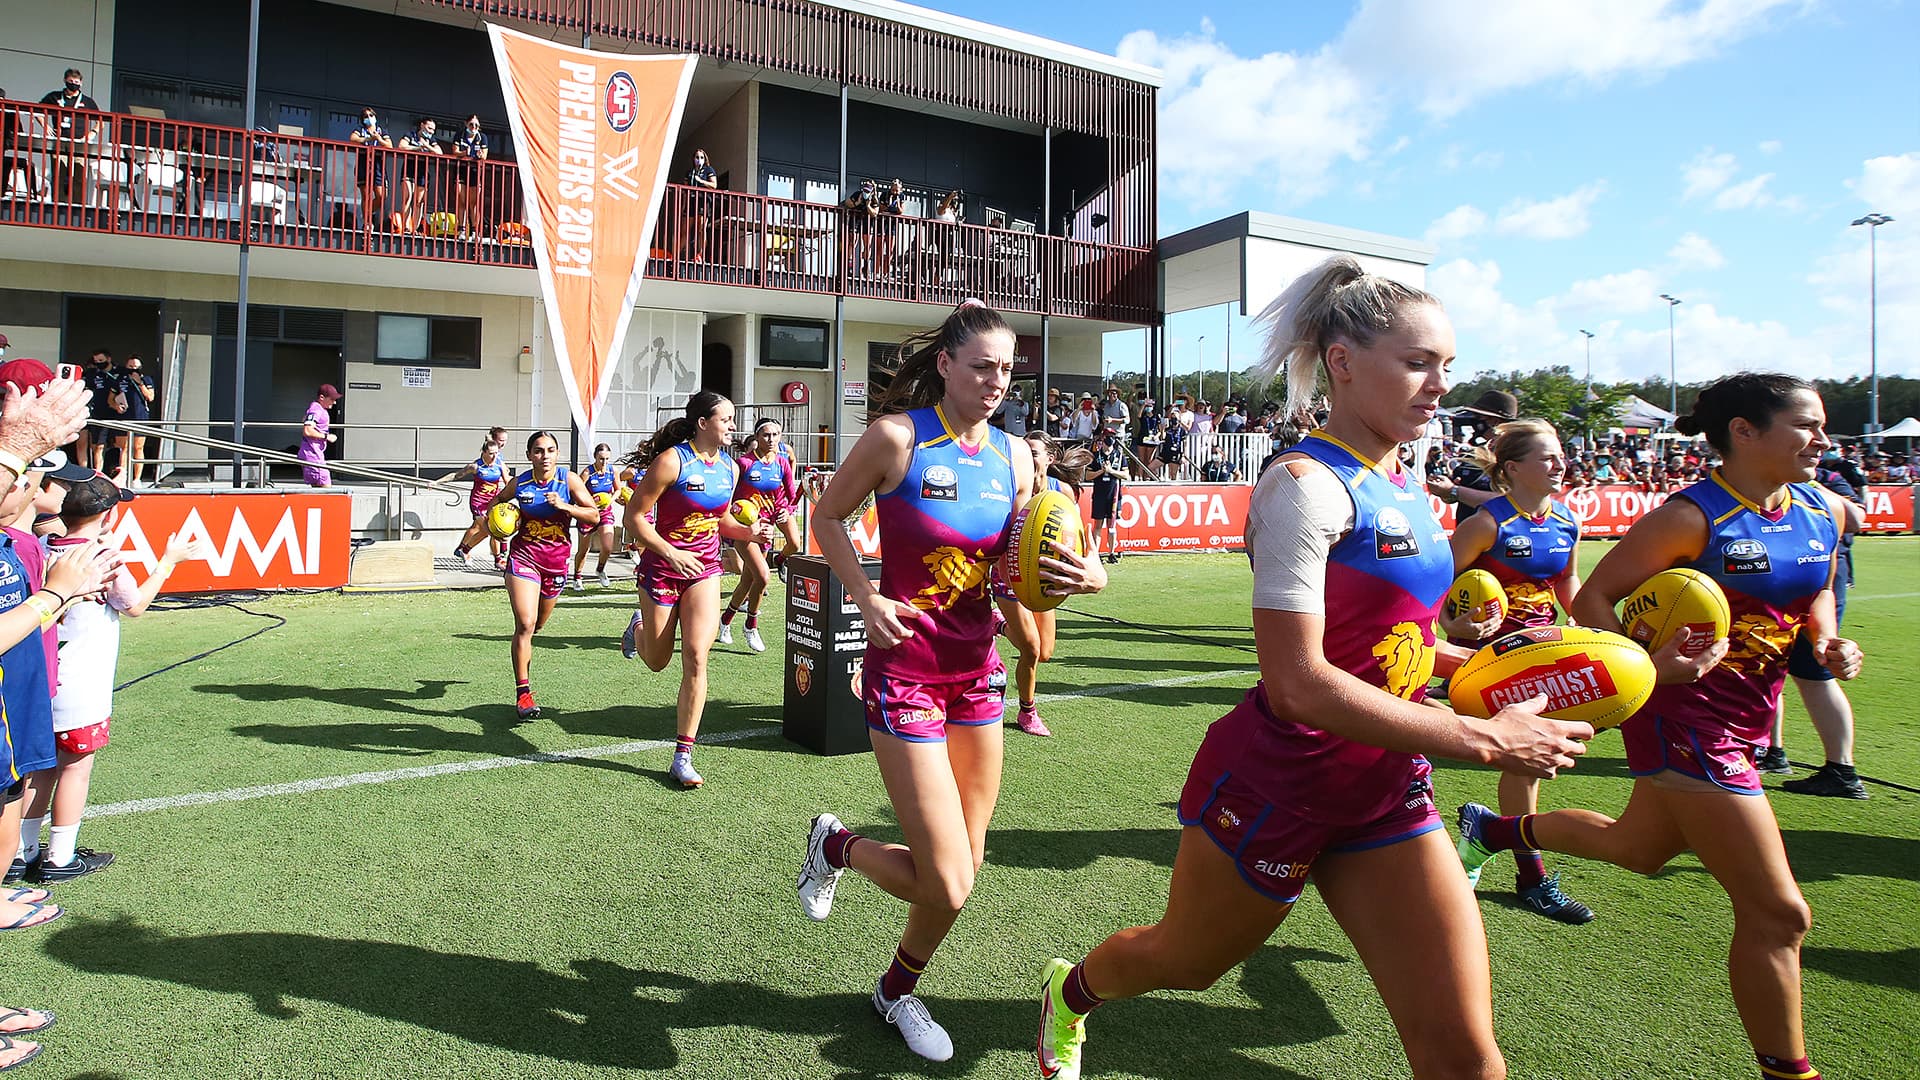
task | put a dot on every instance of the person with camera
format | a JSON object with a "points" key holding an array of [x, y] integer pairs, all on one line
{"points": [[1108, 471], [700, 205], [138, 392], [373, 167], [891, 211]]}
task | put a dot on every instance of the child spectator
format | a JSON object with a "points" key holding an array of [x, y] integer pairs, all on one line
{"points": [[83, 703]]}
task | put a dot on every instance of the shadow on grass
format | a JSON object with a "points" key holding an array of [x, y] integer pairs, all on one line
{"points": [[1894, 970], [602, 1013], [1823, 855], [1077, 849]]}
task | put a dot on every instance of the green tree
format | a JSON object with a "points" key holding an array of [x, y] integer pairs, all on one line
{"points": [[1553, 394]]}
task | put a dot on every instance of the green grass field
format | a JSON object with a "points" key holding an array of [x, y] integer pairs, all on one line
{"points": [[579, 918]]}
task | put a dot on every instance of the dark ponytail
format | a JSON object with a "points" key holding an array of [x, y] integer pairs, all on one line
{"points": [[916, 381], [1068, 465], [534, 440], [1753, 396], [700, 407]]}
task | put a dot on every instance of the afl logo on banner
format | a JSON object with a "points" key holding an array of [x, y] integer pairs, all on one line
{"points": [[623, 101]]}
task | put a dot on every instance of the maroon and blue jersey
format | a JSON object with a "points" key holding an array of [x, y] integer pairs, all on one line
{"points": [[1530, 555], [941, 531], [487, 482], [688, 513], [768, 484], [601, 481], [543, 519], [1771, 565], [1385, 581]]}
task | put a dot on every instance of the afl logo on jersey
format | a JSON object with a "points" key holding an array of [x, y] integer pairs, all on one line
{"points": [[940, 483], [1393, 535], [623, 101], [694, 482], [1746, 557], [1519, 547]]}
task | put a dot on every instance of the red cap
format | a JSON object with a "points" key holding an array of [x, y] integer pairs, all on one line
{"points": [[328, 390], [26, 374]]}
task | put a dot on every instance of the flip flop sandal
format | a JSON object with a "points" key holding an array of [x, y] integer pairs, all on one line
{"points": [[27, 922], [21, 896], [7, 1014], [6, 1044]]}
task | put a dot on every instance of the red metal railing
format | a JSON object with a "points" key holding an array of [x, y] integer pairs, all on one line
{"points": [[132, 175]]}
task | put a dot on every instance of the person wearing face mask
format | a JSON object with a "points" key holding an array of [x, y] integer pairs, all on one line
{"points": [[415, 175], [471, 149], [70, 160], [373, 167], [700, 205]]}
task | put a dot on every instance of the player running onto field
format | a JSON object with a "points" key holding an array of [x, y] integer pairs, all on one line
{"points": [[547, 495], [1032, 632], [1759, 527], [689, 480], [489, 475], [766, 481], [602, 483], [1320, 769], [945, 484], [1530, 542]]}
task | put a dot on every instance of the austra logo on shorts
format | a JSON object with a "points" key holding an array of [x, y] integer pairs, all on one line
{"points": [[1575, 680], [1746, 557], [1393, 535], [941, 483]]}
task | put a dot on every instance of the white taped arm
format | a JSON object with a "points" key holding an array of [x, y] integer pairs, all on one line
{"points": [[1292, 523]]}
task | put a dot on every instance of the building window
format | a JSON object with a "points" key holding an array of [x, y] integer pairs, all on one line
{"points": [[428, 341]]}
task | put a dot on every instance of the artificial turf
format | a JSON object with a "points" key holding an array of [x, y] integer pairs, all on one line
{"points": [[582, 918]]}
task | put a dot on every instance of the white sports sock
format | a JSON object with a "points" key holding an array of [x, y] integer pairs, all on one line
{"points": [[61, 840], [30, 836]]}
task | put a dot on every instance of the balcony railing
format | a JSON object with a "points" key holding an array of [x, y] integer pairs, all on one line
{"points": [[136, 176]]}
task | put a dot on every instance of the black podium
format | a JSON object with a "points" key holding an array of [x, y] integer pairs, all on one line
{"points": [[826, 644]]}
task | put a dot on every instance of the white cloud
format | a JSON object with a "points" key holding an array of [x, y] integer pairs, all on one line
{"points": [[1457, 224], [1711, 174], [1627, 293], [1695, 252], [1770, 146], [1840, 279], [1707, 173], [1555, 219], [1286, 117], [1447, 54]]}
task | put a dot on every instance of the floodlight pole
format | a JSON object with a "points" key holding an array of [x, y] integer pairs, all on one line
{"points": [[1586, 402], [1673, 370], [1873, 223]]}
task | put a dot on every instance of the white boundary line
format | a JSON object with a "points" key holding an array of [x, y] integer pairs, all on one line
{"points": [[584, 753], [1854, 599]]}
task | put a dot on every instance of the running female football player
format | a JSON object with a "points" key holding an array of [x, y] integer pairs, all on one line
{"points": [[1032, 632], [1767, 534], [946, 484], [1530, 542], [689, 479], [1320, 769], [602, 483], [547, 496], [766, 481], [489, 474]]}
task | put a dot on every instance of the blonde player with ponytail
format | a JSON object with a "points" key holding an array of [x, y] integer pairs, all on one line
{"points": [[1320, 769]]}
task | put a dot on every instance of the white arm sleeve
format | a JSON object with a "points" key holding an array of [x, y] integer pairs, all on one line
{"points": [[1292, 523]]}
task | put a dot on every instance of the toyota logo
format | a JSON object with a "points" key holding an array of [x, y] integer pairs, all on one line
{"points": [[1585, 503]]}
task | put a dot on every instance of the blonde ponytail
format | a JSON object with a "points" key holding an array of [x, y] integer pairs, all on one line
{"points": [[1337, 300]]}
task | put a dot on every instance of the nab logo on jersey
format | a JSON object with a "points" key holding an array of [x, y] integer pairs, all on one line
{"points": [[1393, 535], [696, 482], [1746, 557], [623, 101], [940, 483], [1519, 547]]}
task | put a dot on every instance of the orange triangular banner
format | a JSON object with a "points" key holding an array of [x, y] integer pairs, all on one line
{"points": [[592, 132]]}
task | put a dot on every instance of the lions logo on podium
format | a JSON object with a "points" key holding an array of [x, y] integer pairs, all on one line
{"points": [[803, 674], [1405, 658]]}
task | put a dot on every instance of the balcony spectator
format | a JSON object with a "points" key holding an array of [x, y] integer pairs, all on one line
{"points": [[1113, 411], [891, 211], [74, 147], [471, 149], [17, 177], [942, 241], [108, 404], [1086, 419], [700, 205], [863, 213], [314, 437], [416, 174], [139, 394], [373, 168]]}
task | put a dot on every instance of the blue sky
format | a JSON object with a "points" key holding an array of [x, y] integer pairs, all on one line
{"points": [[1570, 161]]}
